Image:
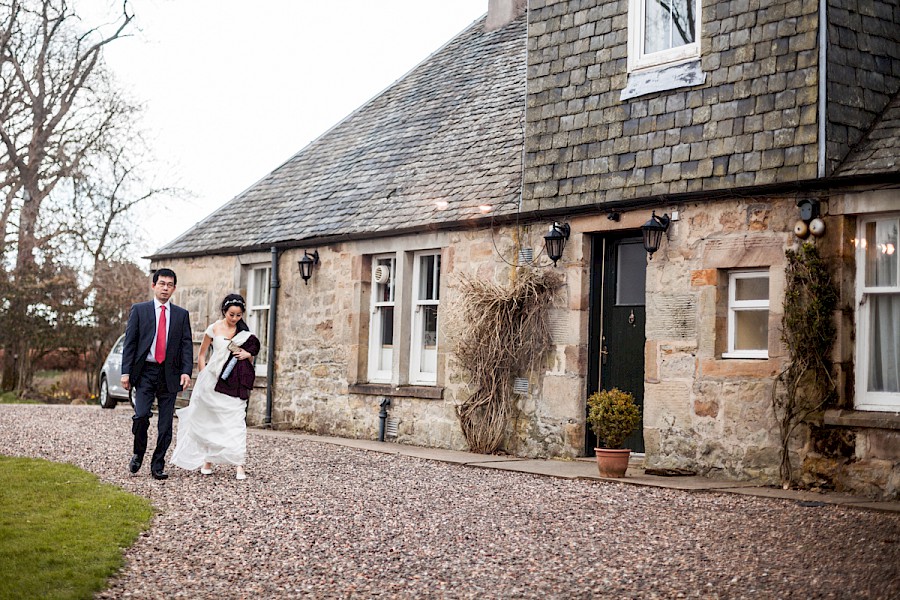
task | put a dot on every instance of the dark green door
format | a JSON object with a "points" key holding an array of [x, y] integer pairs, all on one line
{"points": [[617, 317]]}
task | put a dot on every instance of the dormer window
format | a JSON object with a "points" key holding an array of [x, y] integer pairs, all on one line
{"points": [[662, 32]]}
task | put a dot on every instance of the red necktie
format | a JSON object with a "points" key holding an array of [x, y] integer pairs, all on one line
{"points": [[160, 353]]}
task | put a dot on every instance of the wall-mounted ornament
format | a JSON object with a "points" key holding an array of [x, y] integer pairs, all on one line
{"points": [[817, 227], [809, 222]]}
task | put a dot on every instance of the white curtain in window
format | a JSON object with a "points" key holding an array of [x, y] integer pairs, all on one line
{"points": [[884, 343]]}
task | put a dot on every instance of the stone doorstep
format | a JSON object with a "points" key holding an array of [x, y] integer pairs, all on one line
{"points": [[585, 468]]}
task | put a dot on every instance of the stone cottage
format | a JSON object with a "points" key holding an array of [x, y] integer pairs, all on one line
{"points": [[730, 127]]}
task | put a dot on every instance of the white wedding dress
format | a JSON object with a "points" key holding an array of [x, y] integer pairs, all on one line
{"points": [[213, 427]]}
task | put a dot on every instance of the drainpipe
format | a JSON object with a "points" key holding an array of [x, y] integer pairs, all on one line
{"points": [[382, 417], [270, 346], [823, 85]]}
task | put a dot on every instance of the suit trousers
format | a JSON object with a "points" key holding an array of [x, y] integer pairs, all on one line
{"points": [[152, 384]]}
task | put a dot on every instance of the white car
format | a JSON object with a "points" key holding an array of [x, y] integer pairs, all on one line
{"points": [[111, 390]]}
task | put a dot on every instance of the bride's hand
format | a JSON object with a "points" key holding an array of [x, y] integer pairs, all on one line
{"points": [[243, 355]]}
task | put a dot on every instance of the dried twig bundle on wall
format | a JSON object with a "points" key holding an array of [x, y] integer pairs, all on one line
{"points": [[502, 332]]}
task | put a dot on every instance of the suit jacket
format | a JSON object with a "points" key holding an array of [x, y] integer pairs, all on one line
{"points": [[139, 336]]}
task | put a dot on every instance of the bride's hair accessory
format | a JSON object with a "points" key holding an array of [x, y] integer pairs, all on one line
{"points": [[233, 300]]}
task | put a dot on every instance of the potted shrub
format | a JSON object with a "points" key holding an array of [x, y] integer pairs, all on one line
{"points": [[613, 416]]}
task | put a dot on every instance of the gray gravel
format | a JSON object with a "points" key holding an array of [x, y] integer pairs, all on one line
{"points": [[321, 521]]}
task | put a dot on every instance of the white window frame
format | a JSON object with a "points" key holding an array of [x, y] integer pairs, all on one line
{"points": [[377, 375], [638, 60], [259, 310], [416, 374], [735, 306], [864, 399]]}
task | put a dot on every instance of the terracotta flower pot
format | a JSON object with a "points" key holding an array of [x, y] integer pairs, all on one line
{"points": [[612, 462]]}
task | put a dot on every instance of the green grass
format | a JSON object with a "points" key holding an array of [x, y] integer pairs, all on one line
{"points": [[13, 398], [62, 531]]}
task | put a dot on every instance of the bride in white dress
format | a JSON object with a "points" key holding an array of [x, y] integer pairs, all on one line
{"points": [[212, 429]]}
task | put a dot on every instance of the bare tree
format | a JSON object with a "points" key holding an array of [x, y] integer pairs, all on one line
{"points": [[68, 172], [94, 212], [57, 105]]}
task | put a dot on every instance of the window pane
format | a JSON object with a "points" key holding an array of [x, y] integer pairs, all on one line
{"points": [[427, 277], [881, 253], [630, 279], [384, 292], [437, 277], [751, 288], [386, 348], [260, 328], [751, 330], [884, 343], [668, 24], [429, 340], [429, 326], [260, 287]]}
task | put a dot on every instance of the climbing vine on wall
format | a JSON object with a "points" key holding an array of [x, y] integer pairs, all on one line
{"points": [[806, 384], [502, 332]]}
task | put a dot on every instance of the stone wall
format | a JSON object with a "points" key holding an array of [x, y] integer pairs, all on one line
{"points": [[321, 343], [753, 121], [704, 412]]}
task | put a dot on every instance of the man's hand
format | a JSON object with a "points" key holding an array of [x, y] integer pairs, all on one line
{"points": [[185, 382], [126, 382]]}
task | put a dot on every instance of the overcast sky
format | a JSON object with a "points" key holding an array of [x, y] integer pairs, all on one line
{"points": [[233, 89]]}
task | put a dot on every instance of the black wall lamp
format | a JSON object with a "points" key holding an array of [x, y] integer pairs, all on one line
{"points": [[307, 263], [555, 241], [652, 232]]}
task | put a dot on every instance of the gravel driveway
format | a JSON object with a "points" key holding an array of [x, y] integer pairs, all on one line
{"points": [[321, 521]]}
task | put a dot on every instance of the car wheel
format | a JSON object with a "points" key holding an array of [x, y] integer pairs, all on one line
{"points": [[106, 401]]}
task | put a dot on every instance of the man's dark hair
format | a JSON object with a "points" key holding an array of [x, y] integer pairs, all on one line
{"points": [[165, 273]]}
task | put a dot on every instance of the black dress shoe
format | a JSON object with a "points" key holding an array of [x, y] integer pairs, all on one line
{"points": [[135, 463], [159, 474]]}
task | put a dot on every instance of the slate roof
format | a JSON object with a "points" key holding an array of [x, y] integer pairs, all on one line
{"points": [[879, 150], [450, 130]]}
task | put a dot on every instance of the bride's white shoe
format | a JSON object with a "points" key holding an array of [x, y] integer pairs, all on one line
{"points": [[206, 469], [239, 474]]}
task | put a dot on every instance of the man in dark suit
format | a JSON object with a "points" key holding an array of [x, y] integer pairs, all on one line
{"points": [[157, 360]]}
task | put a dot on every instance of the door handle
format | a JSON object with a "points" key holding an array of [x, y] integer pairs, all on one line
{"points": [[603, 352]]}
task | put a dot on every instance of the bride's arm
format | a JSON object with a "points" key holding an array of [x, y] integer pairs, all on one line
{"points": [[204, 347]]}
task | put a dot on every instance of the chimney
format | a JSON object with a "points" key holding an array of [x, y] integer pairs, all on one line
{"points": [[501, 12]]}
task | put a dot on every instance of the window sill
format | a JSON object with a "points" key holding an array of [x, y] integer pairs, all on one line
{"points": [[859, 418], [739, 356], [663, 78], [425, 392]]}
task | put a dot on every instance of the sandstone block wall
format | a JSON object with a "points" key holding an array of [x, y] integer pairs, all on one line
{"points": [[322, 333], [701, 411]]}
